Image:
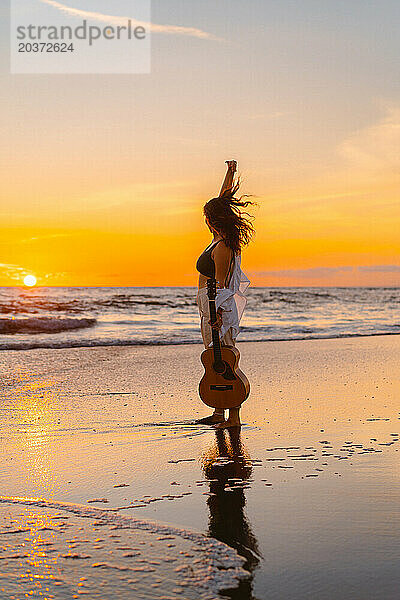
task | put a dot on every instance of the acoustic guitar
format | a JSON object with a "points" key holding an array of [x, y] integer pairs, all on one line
{"points": [[223, 384]]}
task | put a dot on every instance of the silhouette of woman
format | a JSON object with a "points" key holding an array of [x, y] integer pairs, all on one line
{"points": [[231, 230]]}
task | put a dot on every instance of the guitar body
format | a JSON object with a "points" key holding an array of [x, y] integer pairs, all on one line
{"points": [[223, 384]]}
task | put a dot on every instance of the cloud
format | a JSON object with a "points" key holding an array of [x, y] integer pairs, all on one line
{"points": [[119, 20], [17, 273], [376, 147], [380, 269], [12, 271], [305, 273], [324, 272], [44, 237], [365, 176], [56, 276]]}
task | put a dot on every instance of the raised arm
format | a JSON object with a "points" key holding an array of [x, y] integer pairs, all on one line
{"points": [[230, 174]]}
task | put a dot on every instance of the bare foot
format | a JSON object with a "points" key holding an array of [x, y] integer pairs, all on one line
{"points": [[228, 423], [211, 420]]}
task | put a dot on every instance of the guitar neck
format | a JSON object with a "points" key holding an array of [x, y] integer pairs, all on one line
{"points": [[215, 332]]}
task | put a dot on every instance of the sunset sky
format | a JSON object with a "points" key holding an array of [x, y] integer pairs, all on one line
{"points": [[103, 177]]}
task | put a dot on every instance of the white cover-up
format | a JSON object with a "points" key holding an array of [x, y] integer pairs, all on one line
{"points": [[231, 300]]}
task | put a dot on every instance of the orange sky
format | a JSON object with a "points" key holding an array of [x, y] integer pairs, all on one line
{"points": [[104, 177]]}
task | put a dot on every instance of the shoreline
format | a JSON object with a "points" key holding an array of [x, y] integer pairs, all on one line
{"points": [[199, 343]]}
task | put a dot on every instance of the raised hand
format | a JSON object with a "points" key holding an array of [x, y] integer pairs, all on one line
{"points": [[229, 177], [232, 165]]}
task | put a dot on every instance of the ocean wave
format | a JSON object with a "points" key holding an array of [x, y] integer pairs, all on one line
{"points": [[95, 343], [34, 325], [166, 316], [216, 567], [37, 305]]}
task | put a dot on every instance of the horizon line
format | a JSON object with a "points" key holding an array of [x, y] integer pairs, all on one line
{"points": [[22, 286]]}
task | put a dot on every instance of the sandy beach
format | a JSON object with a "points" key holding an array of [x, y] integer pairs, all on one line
{"points": [[307, 493]]}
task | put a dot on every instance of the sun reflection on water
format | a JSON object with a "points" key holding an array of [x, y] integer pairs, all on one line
{"points": [[34, 405], [37, 564]]}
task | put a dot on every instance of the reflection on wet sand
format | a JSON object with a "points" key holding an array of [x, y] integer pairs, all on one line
{"points": [[227, 466], [37, 421], [26, 541]]}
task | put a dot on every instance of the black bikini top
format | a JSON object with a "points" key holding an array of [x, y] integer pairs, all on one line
{"points": [[206, 265]]}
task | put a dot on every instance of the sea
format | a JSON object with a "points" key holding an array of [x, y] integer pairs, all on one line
{"points": [[62, 317]]}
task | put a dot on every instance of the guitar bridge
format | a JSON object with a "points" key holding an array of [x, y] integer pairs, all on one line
{"points": [[221, 388]]}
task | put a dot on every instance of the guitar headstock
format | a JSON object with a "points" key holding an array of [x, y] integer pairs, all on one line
{"points": [[211, 289]]}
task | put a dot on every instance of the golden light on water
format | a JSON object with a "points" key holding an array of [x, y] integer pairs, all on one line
{"points": [[30, 280]]}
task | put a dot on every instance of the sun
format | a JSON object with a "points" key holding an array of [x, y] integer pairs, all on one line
{"points": [[30, 280]]}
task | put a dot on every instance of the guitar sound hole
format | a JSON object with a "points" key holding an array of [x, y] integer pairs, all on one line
{"points": [[219, 367], [224, 370]]}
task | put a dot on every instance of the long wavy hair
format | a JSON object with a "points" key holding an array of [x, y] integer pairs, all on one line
{"points": [[225, 216]]}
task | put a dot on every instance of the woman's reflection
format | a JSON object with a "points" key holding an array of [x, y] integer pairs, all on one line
{"points": [[227, 466]]}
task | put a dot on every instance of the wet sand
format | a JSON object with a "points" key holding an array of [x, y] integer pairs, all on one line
{"points": [[307, 493]]}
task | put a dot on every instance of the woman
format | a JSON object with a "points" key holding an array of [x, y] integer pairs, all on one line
{"points": [[231, 231]]}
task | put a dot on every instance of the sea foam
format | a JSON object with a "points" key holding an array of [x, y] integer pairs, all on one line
{"points": [[43, 324], [216, 566]]}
